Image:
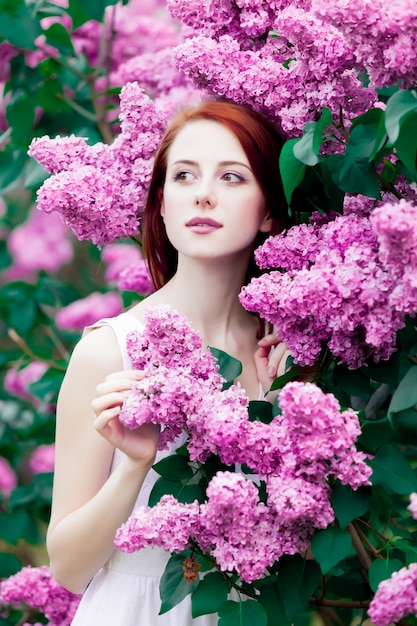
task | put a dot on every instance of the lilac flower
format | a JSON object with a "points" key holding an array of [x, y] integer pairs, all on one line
{"points": [[17, 381], [169, 524], [35, 587], [381, 34], [341, 286], [136, 277], [8, 478], [395, 597], [40, 243], [42, 459], [413, 505], [84, 312], [100, 190], [117, 257]]}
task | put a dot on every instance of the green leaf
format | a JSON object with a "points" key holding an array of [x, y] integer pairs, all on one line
{"points": [[381, 569], [185, 494], [230, 368], [330, 546], [375, 433], [11, 166], [246, 613], [307, 148], [260, 410], [22, 307], [77, 13], [81, 11], [272, 602], [353, 382], [399, 106], [20, 114], [173, 588], [392, 471], [292, 169], [20, 28], [406, 143], [352, 171], [297, 580], [48, 386], [210, 594], [405, 396], [17, 526], [349, 504], [282, 380], [9, 564], [174, 467], [58, 37]]}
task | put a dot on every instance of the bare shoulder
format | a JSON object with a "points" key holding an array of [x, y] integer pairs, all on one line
{"points": [[97, 351]]}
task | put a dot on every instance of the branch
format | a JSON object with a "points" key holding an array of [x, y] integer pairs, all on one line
{"points": [[345, 604], [20, 342], [359, 547]]}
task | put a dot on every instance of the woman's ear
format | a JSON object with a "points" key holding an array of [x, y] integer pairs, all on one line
{"points": [[266, 224]]}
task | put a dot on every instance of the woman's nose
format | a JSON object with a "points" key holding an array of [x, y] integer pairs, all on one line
{"points": [[205, 196]]}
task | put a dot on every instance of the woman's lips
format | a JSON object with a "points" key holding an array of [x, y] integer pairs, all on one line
{"points": [[202, 225]]}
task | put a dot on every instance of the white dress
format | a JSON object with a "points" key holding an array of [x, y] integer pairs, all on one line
{"points": [[125, 592]]}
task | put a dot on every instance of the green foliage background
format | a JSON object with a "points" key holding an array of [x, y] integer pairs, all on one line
{"points": [[374, 534]]}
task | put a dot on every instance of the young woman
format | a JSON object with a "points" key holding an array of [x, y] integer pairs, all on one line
{"points": [[215, 194]]}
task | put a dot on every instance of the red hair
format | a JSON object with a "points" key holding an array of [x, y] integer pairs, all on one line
{"points": [[261, 143]]}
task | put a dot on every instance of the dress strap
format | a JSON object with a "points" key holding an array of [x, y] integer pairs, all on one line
{"points": [[121, 325]]}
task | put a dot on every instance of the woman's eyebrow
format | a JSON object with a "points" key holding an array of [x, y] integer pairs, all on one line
{"points": [[221, 163]]}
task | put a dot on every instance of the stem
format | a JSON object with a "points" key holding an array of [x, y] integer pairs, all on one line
{"points": [[375, 553], [359, 547], [345, 604], [63, 352], [4, 137], [77, 107], [20, 342], [389, 187]]}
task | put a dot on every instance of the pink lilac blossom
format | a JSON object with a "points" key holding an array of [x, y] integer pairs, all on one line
{"points": [[169, 524], [396, 228], [87, 311], [36, 588], [310, 441], [136, 277], [382, 35], [395, 597], [100, 190], [412, 507], [17, 381], [117, 257], [290, 95], [40, 243], [42, 459], [8, 478], [336, 290]]}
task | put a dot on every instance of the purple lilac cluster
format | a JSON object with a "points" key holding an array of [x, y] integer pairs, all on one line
{"points": [[412, 507], [39, 243], [17, 380], [126, 268], [179, 373], [100, 190], [87, 311], [344, 284], [395, 597], [281, 58], [42, 459], [381, 34], [36, 588], [309, 442], [8, 478]]}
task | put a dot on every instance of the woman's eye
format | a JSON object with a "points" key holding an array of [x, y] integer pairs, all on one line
{"points": [[231, 177], [184, 177]]}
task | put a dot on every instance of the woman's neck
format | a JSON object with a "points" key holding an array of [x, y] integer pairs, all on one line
{"points": [[207, 293]]}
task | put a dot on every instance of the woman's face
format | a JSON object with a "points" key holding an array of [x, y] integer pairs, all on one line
{"points": [[212, 204]]}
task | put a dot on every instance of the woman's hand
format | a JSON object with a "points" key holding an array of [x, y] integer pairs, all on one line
{"points": [[139, 444], [270, 360]]}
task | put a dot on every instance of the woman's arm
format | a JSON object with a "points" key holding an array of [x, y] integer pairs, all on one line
{"points": [[88, 506]]}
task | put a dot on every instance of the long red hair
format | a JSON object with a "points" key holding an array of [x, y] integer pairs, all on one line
{"points": [[261, 143]]}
